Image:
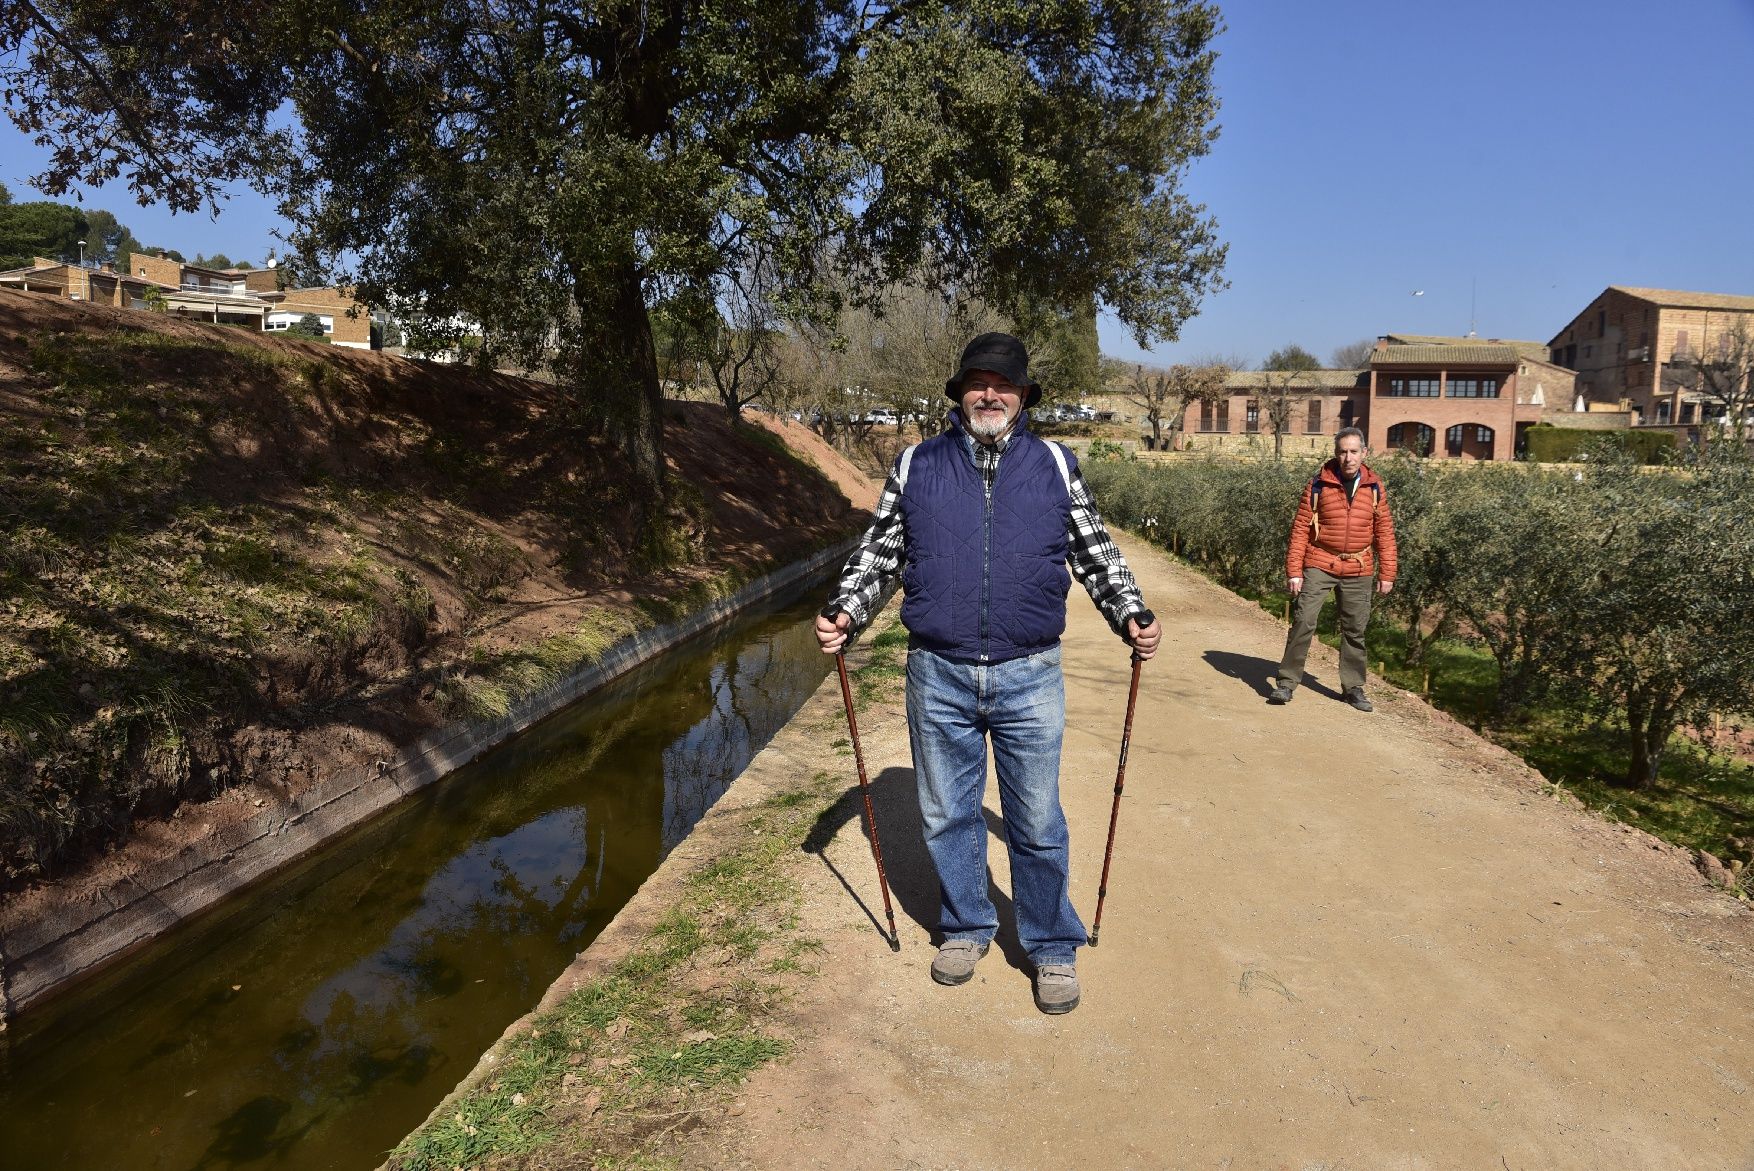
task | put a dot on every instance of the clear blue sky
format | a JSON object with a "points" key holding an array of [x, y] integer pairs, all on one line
{"points": [[1509, 159], [1535, 151]]}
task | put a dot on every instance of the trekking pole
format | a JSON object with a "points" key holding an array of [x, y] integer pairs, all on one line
{"points": [[846, 694], [1144, 618]]}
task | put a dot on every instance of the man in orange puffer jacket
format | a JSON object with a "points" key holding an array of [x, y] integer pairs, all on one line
{"points": [[1342, 540]]}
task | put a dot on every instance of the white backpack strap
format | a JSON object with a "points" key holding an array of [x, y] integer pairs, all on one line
{"points": [[1060, 459], [907, 457]]}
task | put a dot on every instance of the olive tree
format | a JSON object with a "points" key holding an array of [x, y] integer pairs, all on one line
{"points": [[1427, 553], [1667, 630], [1528, 549]]}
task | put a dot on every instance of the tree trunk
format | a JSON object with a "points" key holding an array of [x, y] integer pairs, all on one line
{"points": [[1650, 721], [618, 378]]}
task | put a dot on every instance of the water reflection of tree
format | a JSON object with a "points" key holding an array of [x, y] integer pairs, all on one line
{"points": [[750, 697]]}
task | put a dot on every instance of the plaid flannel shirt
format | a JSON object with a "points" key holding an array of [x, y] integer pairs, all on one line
{"points": [[1092, 557]]}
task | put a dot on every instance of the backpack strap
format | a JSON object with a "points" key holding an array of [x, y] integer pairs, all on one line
{"points": [[907, 458], [1060, 462]]}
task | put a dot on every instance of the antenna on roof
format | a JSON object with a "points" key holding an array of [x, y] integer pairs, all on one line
{"points": [[1473, 318]]}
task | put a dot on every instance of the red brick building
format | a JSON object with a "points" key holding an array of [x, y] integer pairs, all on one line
{"points": [[1635, 348], [1444, 397], [1322, 402], [1460, 398]]}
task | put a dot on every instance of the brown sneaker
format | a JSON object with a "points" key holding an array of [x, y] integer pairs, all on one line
{"points": [[955, 961], [1056, 988]]}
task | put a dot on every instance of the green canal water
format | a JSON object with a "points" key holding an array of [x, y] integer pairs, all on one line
{"points": [[317, 1019]]}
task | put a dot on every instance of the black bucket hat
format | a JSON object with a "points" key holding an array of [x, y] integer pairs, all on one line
{"points": [[1003, 355]]}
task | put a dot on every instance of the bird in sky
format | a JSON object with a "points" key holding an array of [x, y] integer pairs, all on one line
{"points": [[1418, 292]]}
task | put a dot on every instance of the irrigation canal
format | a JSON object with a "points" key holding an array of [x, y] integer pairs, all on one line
{"points": [[318, 1018]]}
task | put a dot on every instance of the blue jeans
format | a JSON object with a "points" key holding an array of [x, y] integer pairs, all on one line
{"points": [[952, 707]]}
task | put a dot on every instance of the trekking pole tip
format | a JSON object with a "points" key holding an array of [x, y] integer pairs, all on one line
{"points": [[895, 945], [1093, 934]]}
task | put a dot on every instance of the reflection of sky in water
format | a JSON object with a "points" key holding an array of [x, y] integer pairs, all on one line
{"points": [[322, 1023], [492, 885]]}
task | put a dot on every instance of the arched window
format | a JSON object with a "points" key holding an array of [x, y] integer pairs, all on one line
{"points": [[1414, 437], [1470, 439]]}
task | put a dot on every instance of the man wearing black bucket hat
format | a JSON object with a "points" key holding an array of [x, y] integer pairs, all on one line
{"points": [[983, 523]]}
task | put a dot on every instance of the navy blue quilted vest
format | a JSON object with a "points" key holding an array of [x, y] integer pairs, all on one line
{"points": [[985, 580]]}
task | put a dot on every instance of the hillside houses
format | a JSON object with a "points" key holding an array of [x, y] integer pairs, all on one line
{"points": [[245, 297]]}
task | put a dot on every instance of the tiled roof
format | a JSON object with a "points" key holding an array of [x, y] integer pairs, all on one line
{"points": [[1528, 349], [1477, 353], [1300, 379], [1676, 299]]}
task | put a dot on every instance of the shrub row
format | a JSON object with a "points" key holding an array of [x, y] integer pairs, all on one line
{"points": [[1550, 444], [1627, 590]]}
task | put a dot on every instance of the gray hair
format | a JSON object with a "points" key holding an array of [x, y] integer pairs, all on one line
{"points": [[1349, 433]]}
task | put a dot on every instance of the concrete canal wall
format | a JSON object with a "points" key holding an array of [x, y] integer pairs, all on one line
{"points": [[45, 952]]}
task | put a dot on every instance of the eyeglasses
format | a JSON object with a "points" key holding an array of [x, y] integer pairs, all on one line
{"points": [[992, 387]]}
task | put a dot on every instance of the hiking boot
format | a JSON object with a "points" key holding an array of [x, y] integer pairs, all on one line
{"points": [[956, 960], [1056, 988], [1281, 693], [1355, 697]]}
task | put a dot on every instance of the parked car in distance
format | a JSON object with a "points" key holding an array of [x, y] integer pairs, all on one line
{"points": [[882, 415]]}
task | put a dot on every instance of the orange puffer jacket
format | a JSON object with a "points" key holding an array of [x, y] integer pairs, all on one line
{"points": [[1350, 538]]}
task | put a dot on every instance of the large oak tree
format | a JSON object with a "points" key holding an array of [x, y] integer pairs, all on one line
{"points": [[549, 171]]}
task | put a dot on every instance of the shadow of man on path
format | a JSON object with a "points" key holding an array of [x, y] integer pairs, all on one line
{"points": [[913, 881], [1258, 673]]}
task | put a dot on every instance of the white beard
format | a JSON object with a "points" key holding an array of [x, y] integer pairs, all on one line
{"points": [[989, 429]]}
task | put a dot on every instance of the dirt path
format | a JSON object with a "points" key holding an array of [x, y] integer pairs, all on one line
{"points": [[1331, 940]]}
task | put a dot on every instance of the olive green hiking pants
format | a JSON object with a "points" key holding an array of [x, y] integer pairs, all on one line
{"points": [[1353, 595]]}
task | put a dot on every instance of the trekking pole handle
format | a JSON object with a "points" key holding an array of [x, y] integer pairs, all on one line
{"points": [[1144, 618], [830, 610]]}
